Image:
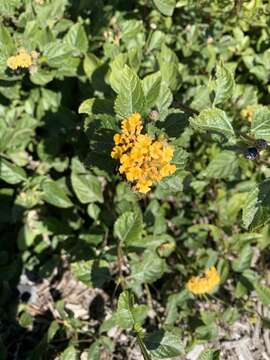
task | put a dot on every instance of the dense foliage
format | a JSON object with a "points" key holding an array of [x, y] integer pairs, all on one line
{"points": [[71, 223]]}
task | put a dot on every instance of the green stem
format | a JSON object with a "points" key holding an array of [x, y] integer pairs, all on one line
{"points": [[144, 351]]}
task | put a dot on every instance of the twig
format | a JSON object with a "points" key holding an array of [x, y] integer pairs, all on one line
{"points": [[185, 107]]}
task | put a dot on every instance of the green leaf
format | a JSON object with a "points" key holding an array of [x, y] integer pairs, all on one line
{"points": [[209, 354], [165, 97], [169, 67], [243, 260], [86, 106], [263, 293], [131, 97], [94, 351], [128, 227], [10, 173], [222, 166], [260, 125], [214, 120], [115, 77], [6, 41], [256, 209], [55, 195], [124, 316], [161, 344], [42, 76], [172, 304], [77, 38], [129, 315], [224, 84], [166, 7], [87, 188], [92, 273], [53, 328], [147, 269], [57, 54], [69, 354], [151, 87]]}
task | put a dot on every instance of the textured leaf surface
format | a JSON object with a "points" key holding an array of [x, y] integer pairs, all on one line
{"points": [[260, 125], [131, 97], [10, 173], [128, 227], [224, 84], [163, 345], [166, 7], [214, 120], [55, 195]]}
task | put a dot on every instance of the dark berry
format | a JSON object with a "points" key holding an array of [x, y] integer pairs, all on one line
{"points": [[261, 144], [251, 153]]}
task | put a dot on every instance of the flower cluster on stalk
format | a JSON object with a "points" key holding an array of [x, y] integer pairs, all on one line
{"points": [[144, 160], [199, 285]]}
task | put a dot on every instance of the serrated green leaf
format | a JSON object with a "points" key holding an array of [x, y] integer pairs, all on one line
{"points": [[128, 227], [115, 77], [166, 7], [169, 67], [243, 260], [224, 84], [214, 120], [92, 273], [222, 166], [55, 195], [77, 38], [161, 344], [131, 97], [10, 173], [148, 268], [69, 354], [86, 106], [57, 54], [165, 97], [260, 125], [256, 209], [6, 42], [263, 293], [209, 354], [124, 316], [87, 188], [151, 87], [94, 351]]}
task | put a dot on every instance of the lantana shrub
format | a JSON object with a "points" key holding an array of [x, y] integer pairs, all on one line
{"points": [[133, 169]]}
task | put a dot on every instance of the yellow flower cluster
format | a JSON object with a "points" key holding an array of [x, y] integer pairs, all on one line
{"points": [[22, 60], [144, 160], [247, 112], [204, 284]]}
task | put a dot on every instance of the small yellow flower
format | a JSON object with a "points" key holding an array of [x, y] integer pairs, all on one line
{"points": [[116, 152], [117, 139], [167, 170], [144, 186], [167, 153], [204, 284], [247, 112], [133, 124], [22, 60], [134, 174]]}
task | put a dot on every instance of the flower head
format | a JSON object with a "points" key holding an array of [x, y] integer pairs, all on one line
{"points": [[22, 60], [144, 160], [247, 112], [204, 284]]}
